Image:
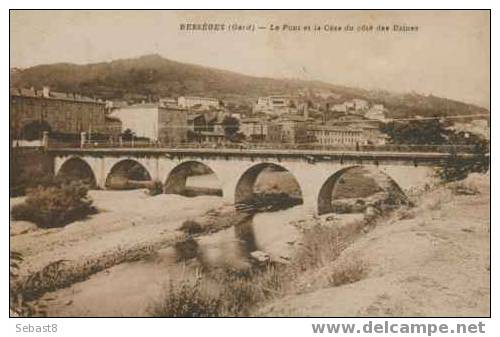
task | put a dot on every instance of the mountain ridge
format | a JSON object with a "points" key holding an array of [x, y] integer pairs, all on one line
{"points": [[152, 76]]}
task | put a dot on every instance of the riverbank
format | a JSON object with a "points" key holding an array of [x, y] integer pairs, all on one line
{"points": [[432, 260]]}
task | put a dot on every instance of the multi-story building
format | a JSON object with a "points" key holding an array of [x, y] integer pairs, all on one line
{"points": [[198, 102], [172, 124], [254, 128], [57, 112], [142, 119], [335, 135], [166, 124], [288, 129], [360, 104], [274, 105], [339, 135]]}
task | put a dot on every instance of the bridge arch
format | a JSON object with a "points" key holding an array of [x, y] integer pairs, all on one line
{"points": [[384, 181], [177, 179], [128, 174], [246, 185], [76, 168]]}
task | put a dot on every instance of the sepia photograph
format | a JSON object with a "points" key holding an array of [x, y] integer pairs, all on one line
{"points": [[249, 163]]}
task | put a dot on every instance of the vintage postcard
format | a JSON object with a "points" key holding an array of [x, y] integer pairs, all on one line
{"points": [[257, 163]]}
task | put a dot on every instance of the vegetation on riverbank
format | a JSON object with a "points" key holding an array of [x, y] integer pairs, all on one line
{"points": [[55, 206]]}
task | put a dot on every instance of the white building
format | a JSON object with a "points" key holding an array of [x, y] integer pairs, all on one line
{"points": [[339, 108], [202, 102], [360, 104], [273, 105], [376, 112], [142, 119]]}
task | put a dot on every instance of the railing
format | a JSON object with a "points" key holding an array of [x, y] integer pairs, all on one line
{"points": [[270, 146]]}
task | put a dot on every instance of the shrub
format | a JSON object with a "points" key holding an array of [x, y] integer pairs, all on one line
{"points": [[221, 292], [457, 168], [23, 301], [346, 272], [320, 245], [188, 299], [191, 227], [55, 206], [155, 188], [186, 249]]}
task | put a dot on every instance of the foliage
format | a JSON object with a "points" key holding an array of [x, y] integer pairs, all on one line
{"points": [[457, 168], [22, 302], [191, 227], [320, 245], [428, 132], [231, 126], [128, 135], [222, 292], [34, 130], [188, 299], [155, 188], [346, 272], [55, 206]]}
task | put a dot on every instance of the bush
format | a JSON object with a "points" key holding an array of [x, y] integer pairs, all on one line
{"points": [[347, 272], [188, 299], [155, 188], [457, 168], [320, 245], [220, 293], [191, 227], [55, 206]]}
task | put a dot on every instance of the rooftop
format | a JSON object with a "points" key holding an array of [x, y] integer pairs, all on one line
{"points": [[35, 93]]}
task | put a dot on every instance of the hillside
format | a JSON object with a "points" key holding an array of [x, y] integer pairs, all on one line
{"points": [[152, 76]]}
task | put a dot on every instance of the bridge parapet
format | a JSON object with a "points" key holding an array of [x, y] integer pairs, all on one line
{"points": [[311, 168]]}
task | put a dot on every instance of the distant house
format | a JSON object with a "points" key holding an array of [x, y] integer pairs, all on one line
{"points": [[288, 129], [273, 105], [376, 111], [199, 102], [254, 128]]}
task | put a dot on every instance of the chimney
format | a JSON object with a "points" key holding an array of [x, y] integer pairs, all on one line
{"points": [[46, 92]]}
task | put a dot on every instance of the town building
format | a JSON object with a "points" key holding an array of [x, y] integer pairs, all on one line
{"points": [[206, 127], [365, 134], [274, 105], [376, 112], [113, 125], [172, 124], [335, 135], [254, 128], [165, 124], [360, 104], [290, 129], [142, 119], [33, 111], [201, 103]]}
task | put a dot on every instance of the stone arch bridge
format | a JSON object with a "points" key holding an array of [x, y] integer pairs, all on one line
{"points": [[315, 171]]}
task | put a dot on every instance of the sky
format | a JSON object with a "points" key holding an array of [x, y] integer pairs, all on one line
{"points": [[448, 56]]}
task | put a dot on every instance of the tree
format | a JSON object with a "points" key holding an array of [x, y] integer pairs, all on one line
{"points": [[128, 134], [34, 130], [231, 126], [428, 132]]}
